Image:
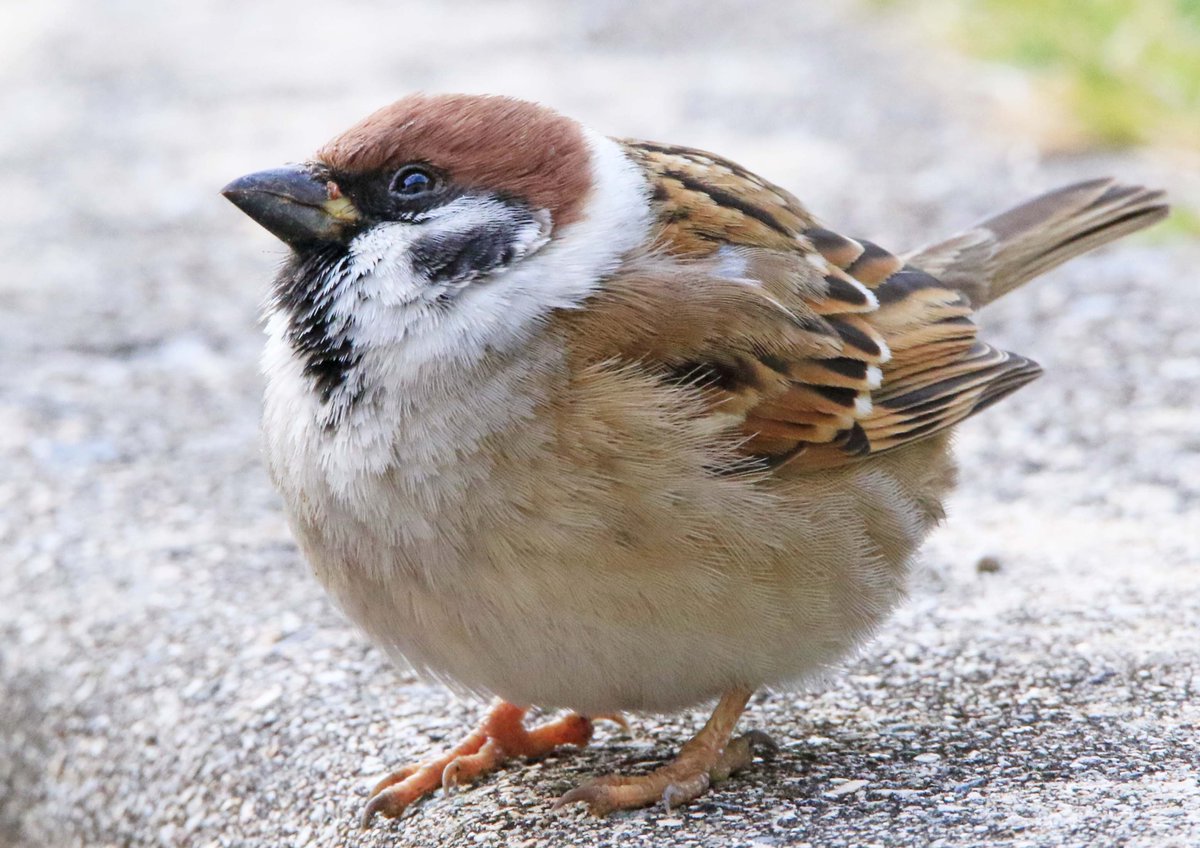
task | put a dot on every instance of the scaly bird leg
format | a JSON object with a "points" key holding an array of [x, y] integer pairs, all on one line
{"points": [[708, 757], [500, 737]]}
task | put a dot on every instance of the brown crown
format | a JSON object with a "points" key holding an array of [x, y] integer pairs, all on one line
{"points": [[488, 142]]}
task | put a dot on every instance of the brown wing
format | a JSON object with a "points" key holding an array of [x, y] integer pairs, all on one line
{"points": [[820, 348]]}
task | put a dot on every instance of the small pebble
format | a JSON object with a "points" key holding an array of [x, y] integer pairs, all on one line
{"points": [[847, 788], [988, 565]]}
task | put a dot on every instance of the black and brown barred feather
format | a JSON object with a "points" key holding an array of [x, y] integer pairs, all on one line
{"points": [[704, 201], [823, 349]]}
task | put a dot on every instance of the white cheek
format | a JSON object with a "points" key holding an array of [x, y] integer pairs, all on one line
{"points": [[380, 261], [392, 303]]}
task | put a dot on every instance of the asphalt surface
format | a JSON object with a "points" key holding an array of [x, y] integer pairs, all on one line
{"points": [[170, 674]]}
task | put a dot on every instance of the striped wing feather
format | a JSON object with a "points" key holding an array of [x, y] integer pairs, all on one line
{"points": [[825, 349]]}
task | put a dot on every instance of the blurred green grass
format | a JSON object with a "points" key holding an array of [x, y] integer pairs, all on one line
{"points": [[1108, 74], [1128, 70]]}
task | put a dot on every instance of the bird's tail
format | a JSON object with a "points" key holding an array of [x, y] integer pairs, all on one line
{"points": [[1010, 249]]}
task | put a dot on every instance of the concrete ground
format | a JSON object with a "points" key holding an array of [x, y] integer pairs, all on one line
{"points": [[171, 675]]}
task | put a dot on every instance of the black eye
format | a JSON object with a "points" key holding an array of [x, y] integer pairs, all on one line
{"points": [[412, 180]]}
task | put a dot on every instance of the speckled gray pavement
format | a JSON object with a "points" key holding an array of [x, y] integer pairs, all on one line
{"points": [[171, 675]]}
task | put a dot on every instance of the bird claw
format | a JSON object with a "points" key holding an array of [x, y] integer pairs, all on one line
{"points": [[669, 784], [379, 803], [450, 780], [674, 784], [761, 741], [594, 793], [501, 737], [392, 779], [672, 794], [616, 718], [739, 754]]}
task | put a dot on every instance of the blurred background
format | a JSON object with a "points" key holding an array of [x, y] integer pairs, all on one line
{"points": [[171, 675]]}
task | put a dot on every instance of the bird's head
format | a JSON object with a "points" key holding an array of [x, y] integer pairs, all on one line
{"points": [[442, 224]]}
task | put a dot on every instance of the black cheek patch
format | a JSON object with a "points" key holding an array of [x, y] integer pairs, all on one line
{"points": [[457, 257]]}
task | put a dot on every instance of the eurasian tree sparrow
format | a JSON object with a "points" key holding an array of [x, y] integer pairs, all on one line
{"points": [[609, 425]]}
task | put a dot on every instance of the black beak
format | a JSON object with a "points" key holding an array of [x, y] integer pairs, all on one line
{"points": [[295, 204]]}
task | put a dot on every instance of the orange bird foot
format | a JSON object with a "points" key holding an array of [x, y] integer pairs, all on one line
{"points": [[708, 757], [500, 737]]}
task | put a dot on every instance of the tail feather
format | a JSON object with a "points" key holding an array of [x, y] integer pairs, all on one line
{"points": [[1010, 249]]}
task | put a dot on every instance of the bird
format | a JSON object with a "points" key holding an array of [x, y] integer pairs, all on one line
{"points": [[607, 426]]}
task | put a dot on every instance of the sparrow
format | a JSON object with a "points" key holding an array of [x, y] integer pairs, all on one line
{"points": [[614, 426]]}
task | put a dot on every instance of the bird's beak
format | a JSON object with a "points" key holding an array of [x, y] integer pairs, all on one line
{"points": [[296, 204]]}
